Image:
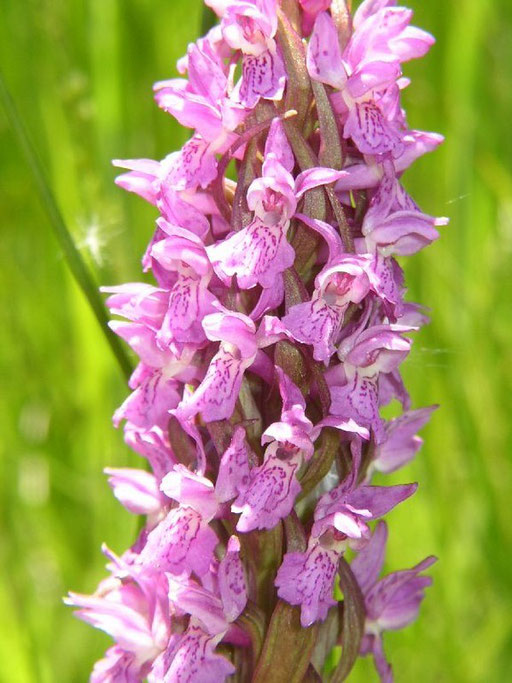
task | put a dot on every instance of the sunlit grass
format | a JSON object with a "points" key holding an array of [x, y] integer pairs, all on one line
{"points": [[81, 73]]}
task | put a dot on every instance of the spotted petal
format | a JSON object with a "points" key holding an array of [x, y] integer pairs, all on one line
{"points": [[182, 542], [256, 254], [269, 496], [307, 579]]}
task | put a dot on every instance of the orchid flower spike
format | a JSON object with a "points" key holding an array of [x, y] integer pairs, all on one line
{"points": [[269, 342]]}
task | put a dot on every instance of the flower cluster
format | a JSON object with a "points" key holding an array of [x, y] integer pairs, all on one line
{"points": [[268, 345]]}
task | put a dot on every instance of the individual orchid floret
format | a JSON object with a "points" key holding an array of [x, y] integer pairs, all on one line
{"points": [[392, 602], [307, 578], [273, 196], [174, 189], [250, 26], [153, 445], [260, 253], [191, 489], [216, 396], [318, 321], [182, 542], [149, 404], [378, 350], [154, 384], [341, 517], [371, 69], [138, 302], [183, 254], [257, 254], [202, 102], [349, 511], [194, 166], [268, 493], [155, 380], [401, 442], [393, 223], [365, 121], [382, 32], [294, 431], [133, 608], [271, 490], [152, 180]]}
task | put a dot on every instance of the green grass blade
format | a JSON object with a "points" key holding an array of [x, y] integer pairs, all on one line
{"points": [[72, 255]]}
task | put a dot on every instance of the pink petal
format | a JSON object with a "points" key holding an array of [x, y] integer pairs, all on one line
{"points": [[256, 254], [233, 474], [182, 542], [216, 396], [379, 500], [307, 579], [367, 566], [315, 323], [232, 581], [194, 660], [191, 489], [324, 53], [137, 490], [148, 406], [269, 496], [278, 145], [262, 76], [195, 165], [371, 133]]}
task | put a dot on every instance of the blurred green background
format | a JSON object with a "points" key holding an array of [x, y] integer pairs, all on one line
{"points": [[81, 73]]}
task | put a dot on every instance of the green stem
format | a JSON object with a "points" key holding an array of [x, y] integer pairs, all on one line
{"points": [[330, 150], [353, 622], [298, 94], [340, 12], [71, 253], [307, 159]]}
